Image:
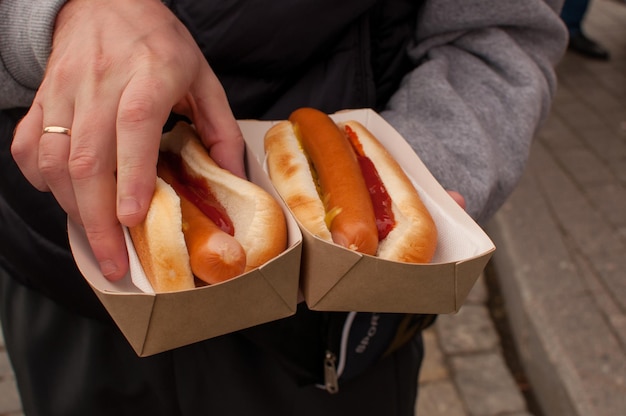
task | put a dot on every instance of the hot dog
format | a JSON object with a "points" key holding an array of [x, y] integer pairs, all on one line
{"points": [[203, 221], [306, 168]]}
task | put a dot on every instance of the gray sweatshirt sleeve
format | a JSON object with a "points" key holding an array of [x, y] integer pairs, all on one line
{"points": [[482, 85], [25, 41]]}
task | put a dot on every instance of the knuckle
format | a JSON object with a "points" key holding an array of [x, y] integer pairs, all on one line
{"points": [[133, 172], [100, 66], [50, 165], [102, 233], [97, 232], [59, 75], [138, 108], [20, 152], [83, 165]]}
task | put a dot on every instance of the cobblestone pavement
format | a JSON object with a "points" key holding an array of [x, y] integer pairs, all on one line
{"points": [[560, 263], [10, 404], [465, 372], [564, 229]]}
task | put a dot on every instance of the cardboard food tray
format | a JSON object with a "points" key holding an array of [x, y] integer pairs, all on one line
{"points": [[153, 323], [336, 279]]}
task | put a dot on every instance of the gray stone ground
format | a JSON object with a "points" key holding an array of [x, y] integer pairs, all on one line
{"points": [[563, 271], [560, 261], [10, 404], [464, 371]]}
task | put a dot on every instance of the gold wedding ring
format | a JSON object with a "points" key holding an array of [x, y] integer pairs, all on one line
{"points": [[57, 129]]}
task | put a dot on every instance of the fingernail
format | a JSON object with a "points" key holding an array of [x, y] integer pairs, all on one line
{"points": [[128, 206], [108, 268]]}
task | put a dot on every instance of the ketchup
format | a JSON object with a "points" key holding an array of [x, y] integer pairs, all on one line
{"points": [[198, 192], [381, 200]]}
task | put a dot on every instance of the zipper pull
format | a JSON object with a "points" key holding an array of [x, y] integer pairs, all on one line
{"points": [[330, 373]]}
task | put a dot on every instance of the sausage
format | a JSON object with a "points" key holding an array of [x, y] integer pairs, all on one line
{"points": [[349, 208]]}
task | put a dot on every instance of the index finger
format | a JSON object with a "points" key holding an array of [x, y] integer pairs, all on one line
{"points": [[141, 115]]}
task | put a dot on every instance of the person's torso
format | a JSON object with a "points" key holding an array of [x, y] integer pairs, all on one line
{"points": [[272, 57]]}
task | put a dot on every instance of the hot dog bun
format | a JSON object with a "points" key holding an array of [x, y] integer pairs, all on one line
{"points": [[257, 219], [160, 244], [288, 168], [412, 239]]}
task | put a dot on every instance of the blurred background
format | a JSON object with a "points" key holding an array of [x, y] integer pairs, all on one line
{"points": [[544, 330]]}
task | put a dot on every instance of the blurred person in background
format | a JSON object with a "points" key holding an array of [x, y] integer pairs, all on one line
{"points": [[573, 14]]}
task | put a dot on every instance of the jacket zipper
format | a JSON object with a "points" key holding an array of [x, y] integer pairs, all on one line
{"points": [[334, 362], [331, 379]]}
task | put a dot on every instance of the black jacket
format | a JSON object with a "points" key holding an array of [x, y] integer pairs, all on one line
{"points": [[351, 57]]}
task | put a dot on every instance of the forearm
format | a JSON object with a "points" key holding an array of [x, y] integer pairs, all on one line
{"points": [[484, 83], [25, 39]]}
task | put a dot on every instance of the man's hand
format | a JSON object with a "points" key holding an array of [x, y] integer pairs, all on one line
{"points": [[116, 70]]}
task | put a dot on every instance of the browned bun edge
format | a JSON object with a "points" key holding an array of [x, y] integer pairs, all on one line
{"points": [[258, 219], [289, 170], [160, 244], [414, 238]]}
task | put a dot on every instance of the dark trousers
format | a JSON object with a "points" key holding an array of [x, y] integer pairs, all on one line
{"points": [[573, 13], [66, 364]]}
